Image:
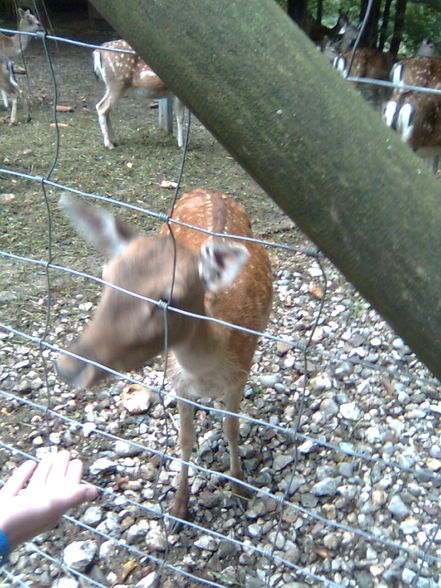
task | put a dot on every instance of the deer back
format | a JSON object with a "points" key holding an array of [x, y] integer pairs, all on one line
{"points": [[127, 70], [247, 301], [417, 71]]}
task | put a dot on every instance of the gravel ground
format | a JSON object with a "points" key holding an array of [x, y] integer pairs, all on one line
{"points": [[353, 499]]}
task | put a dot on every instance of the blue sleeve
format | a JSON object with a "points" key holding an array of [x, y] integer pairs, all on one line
{"points": [[4, 548]]}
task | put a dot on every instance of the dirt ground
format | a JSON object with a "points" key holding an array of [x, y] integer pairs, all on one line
{"points": [[133, 173]]}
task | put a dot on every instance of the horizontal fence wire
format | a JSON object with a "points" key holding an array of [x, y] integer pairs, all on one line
{"points": [[273, 558]]}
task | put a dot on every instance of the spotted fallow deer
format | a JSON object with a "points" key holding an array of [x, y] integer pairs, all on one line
{"points": [[416, 115], [367, 63], [215, 277], [9, 87], [12, 46], [417, 119], [123, 71]]}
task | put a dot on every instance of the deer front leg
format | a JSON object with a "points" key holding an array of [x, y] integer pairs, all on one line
{"points": [[186, 441], [231, 430]]}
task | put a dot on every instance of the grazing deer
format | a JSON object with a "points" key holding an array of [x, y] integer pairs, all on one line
{"points": [[9, 87], [214, 277], [12, 46], [121, 72], [367, 63]]}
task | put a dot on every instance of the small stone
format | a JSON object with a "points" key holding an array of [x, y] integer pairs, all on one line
{"points": [[137, 531], [320, 383], [433, 464], [207, 543], [65, 582], [79, 554], [397, 507], [124, 449], [350, 411], [409, 526], [102, 465], [156, 539], [148, 581], [379, 497], [326, 487], [255, 530], [277, 539], [329, 408], [92, 516], [281, 461], [108, 549], [345, 469], [408, 576], [269, 381]]}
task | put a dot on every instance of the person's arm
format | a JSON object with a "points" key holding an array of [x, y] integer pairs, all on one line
{"points": [[54, 487]]}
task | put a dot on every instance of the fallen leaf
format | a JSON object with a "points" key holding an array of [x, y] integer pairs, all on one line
{"points": [[7, 197], [60, 108], [168, 184], [60, 125], [316, 290], [136, 399], [125, 571]]}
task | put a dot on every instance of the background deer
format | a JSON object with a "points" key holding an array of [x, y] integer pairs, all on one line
{"points": [[121, 72], [9, 87], [213, 278], [415, 115], [417, 119], [367, 63], [427, 48], [12, 46]]}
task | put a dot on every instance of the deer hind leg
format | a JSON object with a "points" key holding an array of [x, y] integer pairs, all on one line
{"points": [[179, 113], [103, 108], [5, 99], [231, 430], [13, 119], [186, 441]]}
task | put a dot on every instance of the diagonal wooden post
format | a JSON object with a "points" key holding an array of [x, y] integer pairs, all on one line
{"points": [[254, 79]]}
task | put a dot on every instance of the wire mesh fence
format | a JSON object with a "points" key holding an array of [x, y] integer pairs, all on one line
{"points": [[339, 422]]}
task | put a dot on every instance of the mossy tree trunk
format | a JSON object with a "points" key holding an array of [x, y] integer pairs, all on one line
{"points": [[258, 84]]}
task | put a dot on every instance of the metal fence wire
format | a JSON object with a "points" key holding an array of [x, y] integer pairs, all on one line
{"points": [[339, 427]]}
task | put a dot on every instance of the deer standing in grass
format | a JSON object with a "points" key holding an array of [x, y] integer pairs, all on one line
{"points": [[11, 48], [9, 87], [416, 115], [213, 277], [121, 72]]}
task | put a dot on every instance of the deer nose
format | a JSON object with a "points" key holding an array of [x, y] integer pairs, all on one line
{"points": [[76, 372]]}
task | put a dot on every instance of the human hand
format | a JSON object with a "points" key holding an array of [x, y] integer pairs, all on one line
{"points": [[54, 487]]}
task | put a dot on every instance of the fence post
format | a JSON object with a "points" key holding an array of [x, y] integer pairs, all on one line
{"points": [[165, 114]]}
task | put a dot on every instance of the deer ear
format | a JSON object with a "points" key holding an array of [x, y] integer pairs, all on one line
{"points": [[100, 228], [220, 263]]}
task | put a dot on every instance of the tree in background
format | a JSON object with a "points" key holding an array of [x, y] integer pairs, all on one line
{"points": [[394, 25]]}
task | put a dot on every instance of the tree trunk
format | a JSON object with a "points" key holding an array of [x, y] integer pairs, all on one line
{"points": [[400, 12], [298, 11], [369, 37], [384, 24], [310, 141]]}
